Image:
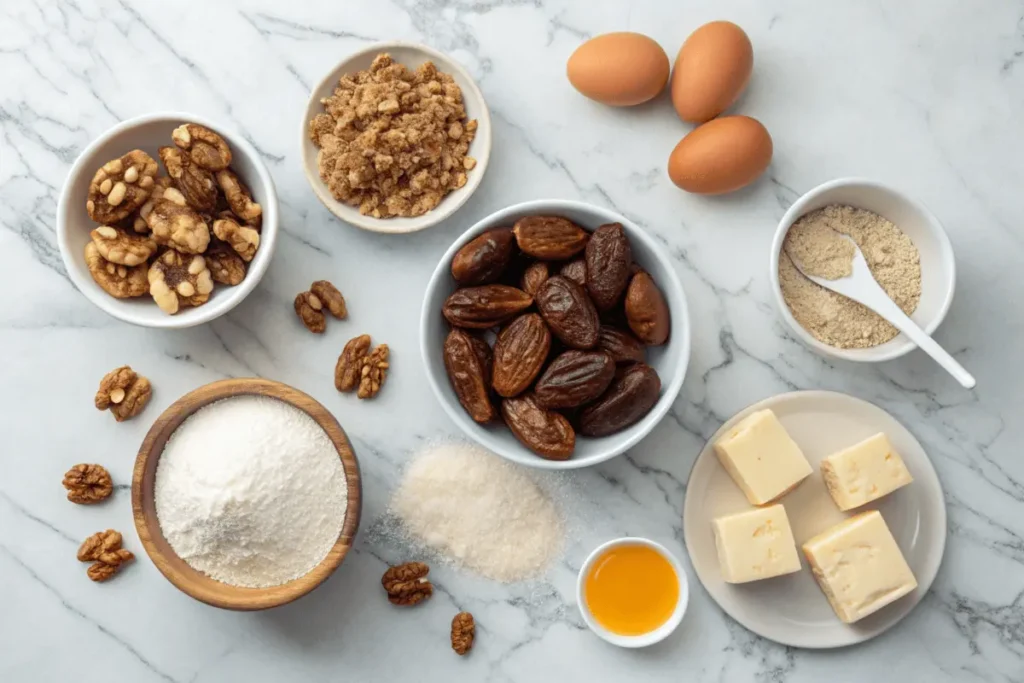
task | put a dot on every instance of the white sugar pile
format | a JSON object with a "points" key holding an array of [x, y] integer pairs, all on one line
{"points": [[479, 511]]}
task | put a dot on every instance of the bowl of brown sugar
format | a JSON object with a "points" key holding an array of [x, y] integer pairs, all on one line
{"points": [[395, 138], [904, 245]]}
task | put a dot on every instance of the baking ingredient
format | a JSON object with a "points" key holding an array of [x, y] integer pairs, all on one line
{"points": [[519, 354], [309, 308], [485, 306], [622, 346], [468, 361], [119, 281], [120, 186], [87, 484], [569, 312], [575, 270], [479, 511], [864, 472], [859, 567], [755, 544], [121, 247], [205, 148], [239, 199], [815, 241], [177, 225], [631, 590], [244, 239], [224, 263], [250, 491], [104, 550], [394, 142], [631, 395], [711, 70], [373, 371], [360, 369], [549, 238], [484, 258], [646, 310], [196, 184], [463, 632], [330, 297], [762, 458], [574, 378], [407, 584], [178, 280], [123, 392], [620, 69], [545, 432], [721, 155], [608, 258]]}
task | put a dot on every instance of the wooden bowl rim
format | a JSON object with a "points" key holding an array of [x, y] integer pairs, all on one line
{"points": [[193, 582]]}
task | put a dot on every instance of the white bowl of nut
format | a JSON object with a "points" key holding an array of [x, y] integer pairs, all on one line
{"points": [[555, 333], [374, 148], [167, 220]]}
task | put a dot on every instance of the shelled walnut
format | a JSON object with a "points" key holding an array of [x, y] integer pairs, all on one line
{"points": [[87, 484], [242, 238], [463, 632], [226, 266], [373, 372], [239, 198], [175, 224], [309, 308], [177, 280], [104, 550], [348, 370], [206, 149], [124, 392], [120, 282], [331, 298], [120, 247], [120, 186], [407, 584], [196, 183]]}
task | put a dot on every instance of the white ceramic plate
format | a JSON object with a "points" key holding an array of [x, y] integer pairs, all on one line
{"points": [[791, 609]]}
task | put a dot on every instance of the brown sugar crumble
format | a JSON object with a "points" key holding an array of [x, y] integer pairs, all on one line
{"points": [[393, 141]]}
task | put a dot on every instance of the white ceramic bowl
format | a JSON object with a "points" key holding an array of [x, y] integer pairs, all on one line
{"points": [[938, 270], [148, 133], [411, 55], [644, 639], [669, 360]]}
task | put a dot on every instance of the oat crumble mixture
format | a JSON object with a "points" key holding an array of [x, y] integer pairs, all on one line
{"points": [[394, 142]]}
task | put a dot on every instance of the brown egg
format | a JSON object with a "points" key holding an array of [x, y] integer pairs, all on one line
{"points": [[721, 156], [711, 70], [620, 69]]}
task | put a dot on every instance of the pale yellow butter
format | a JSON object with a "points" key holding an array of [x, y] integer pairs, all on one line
{"points": [[762, 458], [755, 544], [859, 566], [864, 472]]}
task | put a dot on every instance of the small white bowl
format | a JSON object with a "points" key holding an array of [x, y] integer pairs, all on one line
{"points": [[148, 133], [645, 639], [669, 360], [938, 269], [411, 55]]}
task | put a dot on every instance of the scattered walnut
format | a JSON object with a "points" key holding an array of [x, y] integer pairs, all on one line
{"points": [[177, 225], [88, 484], [120, 282], [463, 632], [407, 584], [331, 298], [348, 371], [104, 550], [120, 247], [239, 198], [206, 149], [177, 280], [109, 564], [242, 238], [309, 309], [226, 266], [196, 183], [124, 392], [159, 186], [120, 187], [373, 372]]}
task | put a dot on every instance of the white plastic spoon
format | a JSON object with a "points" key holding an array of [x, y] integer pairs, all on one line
{"points": [[862, 287]]}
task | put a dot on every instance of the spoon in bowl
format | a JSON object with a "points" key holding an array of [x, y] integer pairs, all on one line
{"points": [[862, 287]]}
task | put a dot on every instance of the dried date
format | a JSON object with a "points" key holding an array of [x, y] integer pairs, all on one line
{"points": [[519, 354], [485, 306], [646, 310], [574, 378], [534, 276], [622, 346], [575, 270], [569, 312], [550, 238], [608, 257], [544, 432], [632, 394], [482, 260], [468, 368]]}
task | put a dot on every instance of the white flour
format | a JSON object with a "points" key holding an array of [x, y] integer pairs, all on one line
{"points": [[251, 491]]}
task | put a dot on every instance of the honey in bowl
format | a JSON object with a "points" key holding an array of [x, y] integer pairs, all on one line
{"points": [[631, 590]]}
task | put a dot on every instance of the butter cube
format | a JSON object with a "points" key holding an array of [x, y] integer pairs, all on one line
{"points": [[859, 566], [755, 544], [864, 472], [762, 458]]}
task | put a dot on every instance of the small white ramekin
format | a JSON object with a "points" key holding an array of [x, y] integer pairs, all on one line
{"points": [[938, 269], [645, 639]]}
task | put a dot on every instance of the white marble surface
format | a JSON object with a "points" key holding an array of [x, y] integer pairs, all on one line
{"points": [[928, 95]]}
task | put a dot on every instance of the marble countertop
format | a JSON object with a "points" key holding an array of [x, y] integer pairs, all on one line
{"points": [[925, 94]]}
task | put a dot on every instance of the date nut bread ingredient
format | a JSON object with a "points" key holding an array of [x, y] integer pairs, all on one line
{"points": [[124, 392], [619, 69], [360, 369], [120, 186], [545, 432], [239, 199], [467, 360], [331, 298], [178, 280], [722, 155], [534, 276], [608, 258], [226, 266], [463, 632], [483, 259], [407, 584], [309, 308], [711, 70], [195, 183], [104, 550], [549, 238], [120, 247], [87, 484], [632, 394], [574, 378], [242, 238], [519, 354], [205, 148], [622, 346], [120, 282], [175, 224], [575, 270], [484, 306], [394, 142], [373, 372], [569, 312], [646, 310]]}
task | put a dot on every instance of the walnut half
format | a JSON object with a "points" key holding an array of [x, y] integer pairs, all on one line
{"points": [[463, 632], [407, 584], [124, 392], [104, 550], [87, 484]]}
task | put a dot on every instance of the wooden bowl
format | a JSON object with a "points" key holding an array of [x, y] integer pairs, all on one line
{"points": [[195, 583]]}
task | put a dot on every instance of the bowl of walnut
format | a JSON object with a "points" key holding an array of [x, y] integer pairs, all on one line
{"points": [[167, 220], [555, 333]]}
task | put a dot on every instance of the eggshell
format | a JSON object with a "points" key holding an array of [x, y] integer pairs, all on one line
{"points": [[711, 70], [620, 69], [720, 156]]}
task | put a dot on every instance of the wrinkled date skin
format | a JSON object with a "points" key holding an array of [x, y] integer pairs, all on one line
{"points": [[519, 354], [468, 369], [622, 346], [646, 310], [569, 312], [574, 378], [550, 238], [544, 432], [632, 394], [575, 270], [484, 259], [534, 276], [608, 258], [478, 308]]}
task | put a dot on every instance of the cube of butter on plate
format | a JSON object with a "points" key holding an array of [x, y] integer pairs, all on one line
{"points": [[755, 544], [762, 458], [864, 472], [859, 566]]}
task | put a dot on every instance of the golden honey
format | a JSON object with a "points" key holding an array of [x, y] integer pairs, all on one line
{"points": [[631, 590]]}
